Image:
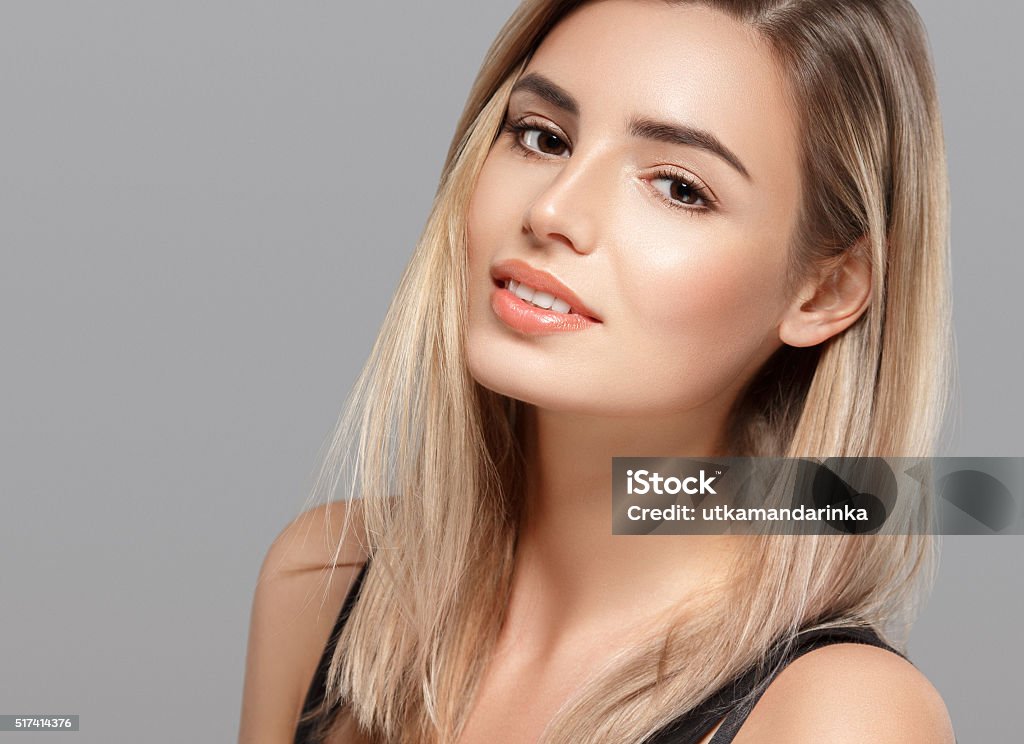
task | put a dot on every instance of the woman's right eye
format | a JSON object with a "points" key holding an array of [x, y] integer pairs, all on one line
{"points": [[543, 141], [533, 139]]}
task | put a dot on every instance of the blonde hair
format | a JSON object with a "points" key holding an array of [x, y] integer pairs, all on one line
{"points": [[435, 459]]}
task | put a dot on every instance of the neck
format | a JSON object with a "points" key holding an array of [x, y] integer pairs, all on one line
{"points": [[571, 570]]}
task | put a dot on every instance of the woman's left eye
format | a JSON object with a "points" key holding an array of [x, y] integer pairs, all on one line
{"points": [[680, 191]]}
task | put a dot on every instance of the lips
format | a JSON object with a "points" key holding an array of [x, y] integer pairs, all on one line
{"points": [[522, 272]]}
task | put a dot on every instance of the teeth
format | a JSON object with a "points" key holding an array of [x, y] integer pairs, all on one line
{"points": [[525, 293], [543, 299], [537, 298]]}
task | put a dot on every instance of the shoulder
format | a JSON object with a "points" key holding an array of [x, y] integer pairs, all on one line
{"points": [[846, 693], [306, 573], [331, 534]]}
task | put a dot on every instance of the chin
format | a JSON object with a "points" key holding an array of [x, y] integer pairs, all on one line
{"points": [[520, 385], [565, 397]]}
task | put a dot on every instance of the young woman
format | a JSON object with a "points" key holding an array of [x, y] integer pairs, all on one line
{"points": [[663, 228]]}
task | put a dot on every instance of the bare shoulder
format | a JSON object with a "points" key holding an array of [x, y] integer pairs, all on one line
{"points": [[306, 573], [331, 534], [846, 693]]}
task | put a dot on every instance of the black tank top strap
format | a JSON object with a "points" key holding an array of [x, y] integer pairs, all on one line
{"points": [[733, 703], [308, 725]]}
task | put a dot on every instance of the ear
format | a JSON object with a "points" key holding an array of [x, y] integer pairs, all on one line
{"points": [[830, 302]]}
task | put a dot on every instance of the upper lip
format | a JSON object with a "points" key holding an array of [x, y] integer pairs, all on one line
{"points": [[522, 272]]}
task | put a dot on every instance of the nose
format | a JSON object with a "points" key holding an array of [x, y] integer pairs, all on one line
{"points": [[567, 208]]}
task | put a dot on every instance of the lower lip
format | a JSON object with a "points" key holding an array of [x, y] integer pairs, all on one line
{"points": [[526, 318]]}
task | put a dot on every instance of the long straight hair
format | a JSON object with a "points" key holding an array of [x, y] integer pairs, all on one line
{"points": [[435, 460]]}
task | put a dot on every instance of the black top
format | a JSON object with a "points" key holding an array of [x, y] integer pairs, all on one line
{"points": [[733, 702]]}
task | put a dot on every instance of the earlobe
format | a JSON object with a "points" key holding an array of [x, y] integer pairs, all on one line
{"points": [[829, 303]]}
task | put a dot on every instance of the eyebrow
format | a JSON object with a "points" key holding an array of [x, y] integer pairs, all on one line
{"points": [[651, 129], [553, 94]]}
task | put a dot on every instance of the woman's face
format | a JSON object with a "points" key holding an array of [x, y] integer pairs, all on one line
{"points": [[653, 175]]}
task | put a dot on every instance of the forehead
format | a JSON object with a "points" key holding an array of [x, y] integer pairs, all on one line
{"points": [[684, 63]]}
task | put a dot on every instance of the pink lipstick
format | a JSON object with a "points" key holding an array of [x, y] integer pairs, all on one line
{"points": [[534, 302]]}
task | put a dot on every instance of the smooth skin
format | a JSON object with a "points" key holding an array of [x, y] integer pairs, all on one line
{"points": [[691, 293]]}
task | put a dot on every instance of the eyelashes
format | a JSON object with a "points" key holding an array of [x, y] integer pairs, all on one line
{"points": [[681, 185]]}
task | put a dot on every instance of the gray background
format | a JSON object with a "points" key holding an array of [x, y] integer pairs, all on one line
{"points": [[204, 209]]}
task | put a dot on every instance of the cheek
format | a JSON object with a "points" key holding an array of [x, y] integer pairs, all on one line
{"points": [[479, 241], [714, 299], [493, 207], [487, 228]]}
